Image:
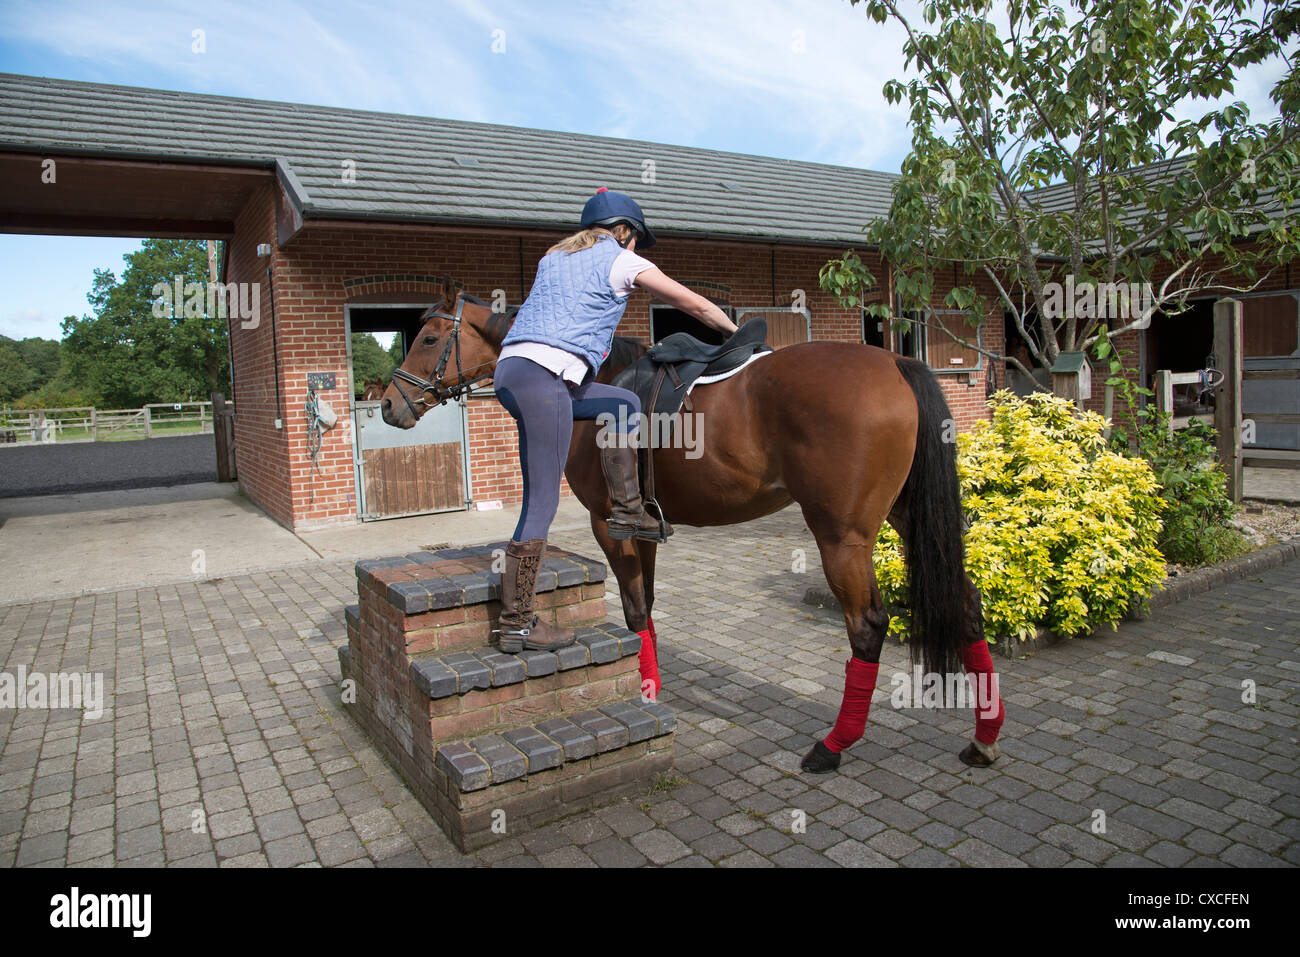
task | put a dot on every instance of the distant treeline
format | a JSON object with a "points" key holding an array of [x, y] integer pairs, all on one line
{"points": [[123, 355]]}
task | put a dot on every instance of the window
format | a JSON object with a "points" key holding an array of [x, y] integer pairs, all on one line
{"points": [[912, 340], [665, 320], [875, 331]]}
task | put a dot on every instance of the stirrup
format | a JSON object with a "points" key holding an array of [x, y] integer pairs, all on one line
{"points": [[622, 532]]}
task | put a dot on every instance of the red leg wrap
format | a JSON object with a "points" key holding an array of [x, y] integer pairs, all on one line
{"points": [[989, 713], [650, 683], [859, 683]]}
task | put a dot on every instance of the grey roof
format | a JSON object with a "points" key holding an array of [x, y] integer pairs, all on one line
{"points": [[429, 170], [1059, 198]]}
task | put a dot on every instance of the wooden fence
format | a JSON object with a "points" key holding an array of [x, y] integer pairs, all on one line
{"points": [[88, 424]]}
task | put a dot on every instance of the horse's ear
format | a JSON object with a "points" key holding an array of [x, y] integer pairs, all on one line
{"points": [[449, 292]]}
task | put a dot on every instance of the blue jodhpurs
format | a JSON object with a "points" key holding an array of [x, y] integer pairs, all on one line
{"points": [[544, 408]]}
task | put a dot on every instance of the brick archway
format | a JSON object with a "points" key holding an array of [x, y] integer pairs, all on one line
{"points": [[399, 287]]}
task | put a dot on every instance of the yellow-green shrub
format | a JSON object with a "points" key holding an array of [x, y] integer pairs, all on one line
{"points": [[1062, 532]]}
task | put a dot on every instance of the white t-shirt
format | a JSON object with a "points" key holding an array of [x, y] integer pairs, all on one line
{"points": [[622, 279], [622, 274]]}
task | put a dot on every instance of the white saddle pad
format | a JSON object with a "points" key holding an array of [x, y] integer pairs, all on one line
{"points": [[707, 379]]}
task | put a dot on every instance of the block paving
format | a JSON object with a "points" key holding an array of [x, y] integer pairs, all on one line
{"points": [[224, 743]]}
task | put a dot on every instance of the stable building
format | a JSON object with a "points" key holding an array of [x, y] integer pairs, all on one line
{"points": [[366, 213], [349, 221]]}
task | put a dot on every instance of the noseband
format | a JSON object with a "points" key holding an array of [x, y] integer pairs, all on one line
{"points": [[434, 387]]}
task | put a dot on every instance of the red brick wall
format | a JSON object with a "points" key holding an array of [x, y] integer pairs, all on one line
{"points": [[310, 273], [261, 452]]}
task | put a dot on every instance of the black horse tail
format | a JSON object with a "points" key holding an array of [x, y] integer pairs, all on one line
{"points": [[932, 537]]}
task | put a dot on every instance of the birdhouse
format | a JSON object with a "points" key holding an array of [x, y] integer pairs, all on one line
{"points": [[1072, 377]]}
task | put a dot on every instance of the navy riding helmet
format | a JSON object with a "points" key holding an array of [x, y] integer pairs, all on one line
{"points": [[608, 208]]}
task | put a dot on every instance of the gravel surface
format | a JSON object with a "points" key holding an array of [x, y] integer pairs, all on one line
{"points": [[99, 466], [1274, 521]]}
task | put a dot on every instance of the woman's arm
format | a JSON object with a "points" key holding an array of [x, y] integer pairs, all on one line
{"points": [[678, 296]]}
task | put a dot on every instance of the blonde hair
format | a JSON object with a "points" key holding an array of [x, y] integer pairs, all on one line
{"points": [[584, 239]]}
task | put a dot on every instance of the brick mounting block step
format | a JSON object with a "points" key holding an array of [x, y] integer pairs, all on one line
{"points": [[459, 672], [491, 743], [498, 758]]}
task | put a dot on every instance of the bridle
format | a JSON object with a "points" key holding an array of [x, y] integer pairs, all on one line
{"points": [[434, 386]]}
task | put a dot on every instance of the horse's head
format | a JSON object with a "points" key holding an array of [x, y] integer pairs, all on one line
{"points": [[457, 347]]}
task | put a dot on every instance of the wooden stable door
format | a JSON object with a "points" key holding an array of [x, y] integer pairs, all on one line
{"points": [[784, 327], [410, 472]]}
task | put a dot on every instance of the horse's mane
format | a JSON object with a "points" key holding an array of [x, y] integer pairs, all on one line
{"points": [[622, 353], [509, 311]]}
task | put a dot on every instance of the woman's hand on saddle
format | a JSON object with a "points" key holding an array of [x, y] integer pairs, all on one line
{"points": [[673, 293]]}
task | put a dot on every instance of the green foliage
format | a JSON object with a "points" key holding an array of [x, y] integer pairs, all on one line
{"points": [[369, 360], [30, 369], [16, 376], [1085, 95], [1062, 531], [128, 356], [396, 352], [1195, 492]]}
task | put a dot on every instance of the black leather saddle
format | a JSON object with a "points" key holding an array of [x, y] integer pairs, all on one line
{"points": [[661, 377]]}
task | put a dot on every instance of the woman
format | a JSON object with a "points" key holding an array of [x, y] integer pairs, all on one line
{"points": [[544, 379]]}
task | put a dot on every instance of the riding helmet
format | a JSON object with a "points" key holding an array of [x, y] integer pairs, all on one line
{"points": [[608, 208]]}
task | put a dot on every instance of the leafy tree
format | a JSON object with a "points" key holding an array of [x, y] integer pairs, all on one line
{"points": [[369, 360], [42, 355], [128, 354], [28, 367], [1084, 103], [16, 374], [395, 351]]}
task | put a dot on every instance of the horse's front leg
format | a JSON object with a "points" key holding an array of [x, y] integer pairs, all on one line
{"points": [[634, 586], [650, 641]]}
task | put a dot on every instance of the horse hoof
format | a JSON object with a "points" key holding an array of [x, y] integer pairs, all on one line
{"points": [[975, 757], [820, 760]]}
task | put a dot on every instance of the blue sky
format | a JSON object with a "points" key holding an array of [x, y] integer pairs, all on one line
{"points": [[798, 79]]}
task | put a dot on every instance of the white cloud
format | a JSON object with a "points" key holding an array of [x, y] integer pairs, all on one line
{"points": [[24, 323]]}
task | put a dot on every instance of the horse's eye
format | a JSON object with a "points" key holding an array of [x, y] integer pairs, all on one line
{"points": [[430, 340]]}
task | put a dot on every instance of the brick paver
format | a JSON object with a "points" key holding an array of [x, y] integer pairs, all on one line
{"points": [[224, 740]]}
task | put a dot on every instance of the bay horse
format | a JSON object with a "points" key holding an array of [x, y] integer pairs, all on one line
{"points": [[854, 434], [372, 390]]}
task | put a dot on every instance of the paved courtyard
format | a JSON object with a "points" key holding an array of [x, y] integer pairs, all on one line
{"points": [[223, 740]]}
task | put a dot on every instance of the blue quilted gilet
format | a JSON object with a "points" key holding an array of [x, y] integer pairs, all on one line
{"points": [[572, 305]]}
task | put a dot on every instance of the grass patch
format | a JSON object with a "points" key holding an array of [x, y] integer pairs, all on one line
{"points": [[667, 781]]}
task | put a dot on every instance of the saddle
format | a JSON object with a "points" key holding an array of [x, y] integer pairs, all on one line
{"points": [[662, 377]]}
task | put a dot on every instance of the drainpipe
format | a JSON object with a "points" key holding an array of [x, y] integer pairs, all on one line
{"points": [[264, 252]]}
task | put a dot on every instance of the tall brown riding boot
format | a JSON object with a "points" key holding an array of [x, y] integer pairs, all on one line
{"points": [[629, 517], [520, 629]]}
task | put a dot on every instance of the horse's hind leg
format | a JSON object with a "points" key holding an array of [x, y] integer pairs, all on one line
{"points": [[989, 711], [846, 559]]}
